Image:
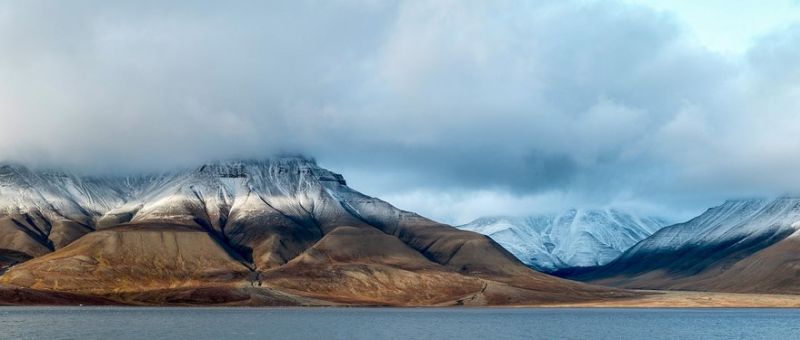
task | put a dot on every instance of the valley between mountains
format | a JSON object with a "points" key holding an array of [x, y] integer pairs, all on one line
{"points": [[286, 232]]}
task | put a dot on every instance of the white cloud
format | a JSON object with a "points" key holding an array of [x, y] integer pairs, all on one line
{"points": [[488, 107]]}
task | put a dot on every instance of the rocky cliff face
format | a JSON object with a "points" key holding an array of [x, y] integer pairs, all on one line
{"points": [[278, 231]]}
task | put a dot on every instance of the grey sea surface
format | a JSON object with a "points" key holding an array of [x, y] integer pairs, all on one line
{"points": [[396, 323]]}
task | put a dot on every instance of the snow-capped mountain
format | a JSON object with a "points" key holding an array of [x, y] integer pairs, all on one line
{"points": [[221, 231], [42, 211], [576, 238], [741, 245]]}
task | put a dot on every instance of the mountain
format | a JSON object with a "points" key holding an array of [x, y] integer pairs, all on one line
{"points": [[281, 231], [575, 238], [740, 246]]}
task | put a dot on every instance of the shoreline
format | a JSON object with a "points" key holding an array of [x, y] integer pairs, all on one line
{"points": [[649, 299], [693, 299]]}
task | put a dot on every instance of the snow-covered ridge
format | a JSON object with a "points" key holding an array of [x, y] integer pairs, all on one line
{"points": [[60, 194], [265, 213], [732, 220], [737, 246], [575, 238]]}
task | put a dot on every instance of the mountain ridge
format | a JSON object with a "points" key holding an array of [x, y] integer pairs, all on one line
{"points": [[727, 248], [250, 232], [574, 238]]}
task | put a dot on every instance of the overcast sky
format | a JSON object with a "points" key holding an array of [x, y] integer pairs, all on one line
{"points": [[453, 109]]}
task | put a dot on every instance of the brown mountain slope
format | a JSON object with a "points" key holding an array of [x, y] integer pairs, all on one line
{"points": [[181, 264], [131, 258], [772, 270], [16, 236], [281, 232]]}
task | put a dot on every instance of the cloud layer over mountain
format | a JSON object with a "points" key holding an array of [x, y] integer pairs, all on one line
{"points": [[481, 107]]}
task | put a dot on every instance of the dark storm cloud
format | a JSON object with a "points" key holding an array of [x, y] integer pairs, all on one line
{"points": [[502, 104]]}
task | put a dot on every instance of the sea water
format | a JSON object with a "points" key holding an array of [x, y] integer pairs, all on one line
{"points": [[396, 323]]}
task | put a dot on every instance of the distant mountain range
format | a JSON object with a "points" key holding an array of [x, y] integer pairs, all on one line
{"points": [[282, 231], [739, 246], [285, 231], [575, 238]]}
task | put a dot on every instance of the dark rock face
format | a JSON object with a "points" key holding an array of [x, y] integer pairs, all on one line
{"points": [[274, 232], [9, 258]]}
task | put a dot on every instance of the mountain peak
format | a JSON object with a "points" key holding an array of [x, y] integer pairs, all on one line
{"points": [[725, 248], [573, 238], [226, 226], [286, 160], [277, 166]]}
